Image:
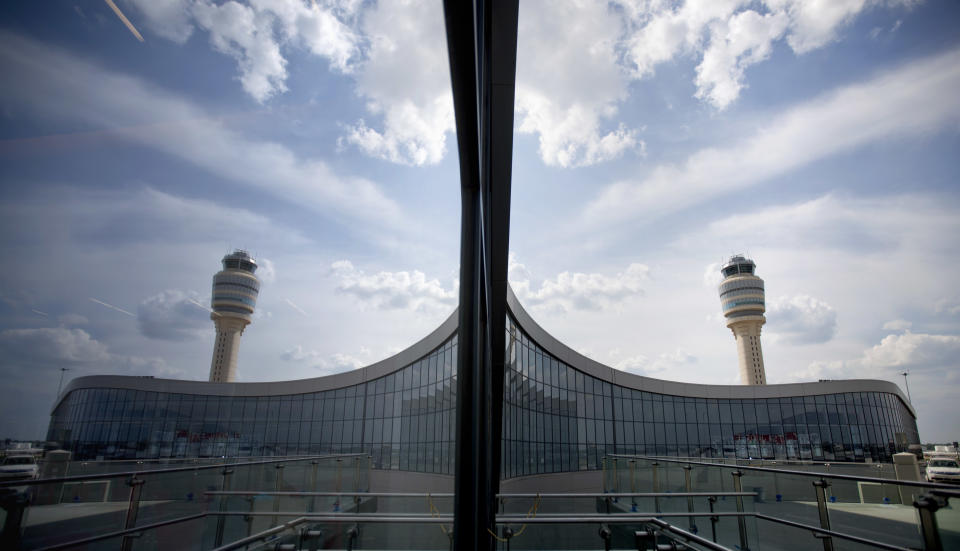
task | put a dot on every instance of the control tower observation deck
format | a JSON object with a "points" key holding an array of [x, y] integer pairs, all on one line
{"points": [[742, 300], [235, 291]]}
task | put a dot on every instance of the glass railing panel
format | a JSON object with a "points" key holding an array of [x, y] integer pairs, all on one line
{"points": [[176, 494], [948, 523], [68, 510], [86, 510]]}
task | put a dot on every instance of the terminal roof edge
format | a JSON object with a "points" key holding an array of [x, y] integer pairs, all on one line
{"points": [[445, 331]]}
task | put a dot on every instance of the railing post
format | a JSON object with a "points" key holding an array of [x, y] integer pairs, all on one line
{"points": [[645, 539], [352, 534], [221, 519], [313, 485], [633, 485], [821, 487], [367, 472], [356, 474], [688, 485], [278, 485], [714, 519], [312, 536], [605, 536], [927, 506], [741, 521], [656, 485], [14, 504], [136, 488], [616, 476], [603, 473], [249, 518], [336, 503]]}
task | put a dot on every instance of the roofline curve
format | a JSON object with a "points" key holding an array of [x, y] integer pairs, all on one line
{"points": [[693, 390], [446, 330], [270, 388]]}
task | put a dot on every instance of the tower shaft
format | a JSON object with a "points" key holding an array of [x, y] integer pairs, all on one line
{"points": [[749, 352], [226, 348]]}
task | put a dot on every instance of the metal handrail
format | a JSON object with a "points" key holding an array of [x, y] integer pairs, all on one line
{"points": [[930, 485], [80, 478], [417, 518], [689, 536], [448, 495], [118, 533], [833, 533]]}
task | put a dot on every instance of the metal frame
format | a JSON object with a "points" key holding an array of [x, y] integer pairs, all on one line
{"points": [[482, 50], [559, 518], [813, 474], [125, 474]]}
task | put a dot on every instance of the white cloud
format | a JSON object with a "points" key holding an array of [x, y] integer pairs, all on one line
{"points": [[174, 315], [59, 347], [712, 276], [801, 319], [897, 325], [815, 24], [54, 345], [68, 320], [666, 365], [53, 83], [266, 270], [170, 19], [575, 60], [256, 33], [919, 353], [394, 50], [843, 224], [915, 99], [393, 290], [913, 350], [328, 364], [569, 81], [947, 305], [406, 80], [744, 39], [578, 291], [728, 36]]}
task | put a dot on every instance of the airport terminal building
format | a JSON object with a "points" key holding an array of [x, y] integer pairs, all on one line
{"points": [[562, 412]]}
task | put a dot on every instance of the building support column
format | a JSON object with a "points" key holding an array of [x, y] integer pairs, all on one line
{"points": [[482, 45]]}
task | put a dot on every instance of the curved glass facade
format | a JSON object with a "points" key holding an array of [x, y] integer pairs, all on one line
{"points": [[404, 420], [556, 418]]}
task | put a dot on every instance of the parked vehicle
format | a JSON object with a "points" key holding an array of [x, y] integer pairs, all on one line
{"points": [[943, 470], [16, 467]]}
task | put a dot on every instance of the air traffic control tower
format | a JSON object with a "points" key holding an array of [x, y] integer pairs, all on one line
{"points": [[235, 291], [742, 300]]}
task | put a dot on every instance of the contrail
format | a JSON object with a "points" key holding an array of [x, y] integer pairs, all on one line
{"points": [[112, 307], [44, 314], [123, 18], [295, 307], [202, 306]]}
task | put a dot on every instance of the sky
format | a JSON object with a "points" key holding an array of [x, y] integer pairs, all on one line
{"points": [[653, 140]]}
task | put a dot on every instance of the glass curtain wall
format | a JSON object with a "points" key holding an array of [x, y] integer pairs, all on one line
{"points": [[404, 420], [556, 419]]}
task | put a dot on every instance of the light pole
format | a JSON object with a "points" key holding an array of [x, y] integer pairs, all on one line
{"points": [[60, 385], [909, 399]]}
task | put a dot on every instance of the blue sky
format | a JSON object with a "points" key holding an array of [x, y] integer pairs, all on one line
{"points": [[652, 140]]}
